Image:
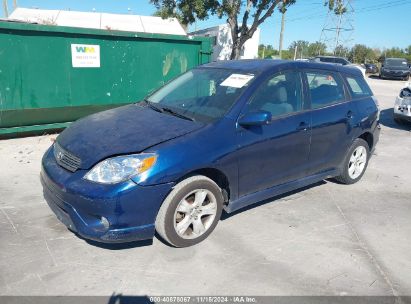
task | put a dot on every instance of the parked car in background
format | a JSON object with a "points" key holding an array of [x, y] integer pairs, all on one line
{"points": [[402, 106], [395, 68], [224, 135], [371, 68], [338, 60]]}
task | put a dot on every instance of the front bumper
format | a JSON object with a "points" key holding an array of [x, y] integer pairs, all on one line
{"points": [[123, 212], [402, 110], [394, 74]]}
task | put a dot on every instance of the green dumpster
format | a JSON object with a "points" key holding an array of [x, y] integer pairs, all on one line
{"points": [[51, 76]]}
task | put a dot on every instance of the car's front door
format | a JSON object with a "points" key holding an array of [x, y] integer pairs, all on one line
{"points": [[277, 152]]}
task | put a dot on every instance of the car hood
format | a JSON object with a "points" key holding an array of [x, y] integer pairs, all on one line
{"points": [[124, 130]]}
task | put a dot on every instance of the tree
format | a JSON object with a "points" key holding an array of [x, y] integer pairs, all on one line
{"points": [[253, 11], [316, 48], [338, 6], [341, 51], [302, 48], [361, 54], [267, 51]]}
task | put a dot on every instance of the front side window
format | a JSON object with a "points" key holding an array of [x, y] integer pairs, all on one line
{"points": [[326, 88], [279, 95], [202, 94], [358, 87]]}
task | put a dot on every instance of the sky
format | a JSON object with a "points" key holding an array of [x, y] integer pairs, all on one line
{"points": [[377, 23]]}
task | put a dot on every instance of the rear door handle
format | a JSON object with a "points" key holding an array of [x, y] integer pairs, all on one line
{"points": [[350, 114], [303, 126]]}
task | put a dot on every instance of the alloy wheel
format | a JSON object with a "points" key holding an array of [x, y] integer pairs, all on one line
{"points": [[195, 214], [357, 162]]}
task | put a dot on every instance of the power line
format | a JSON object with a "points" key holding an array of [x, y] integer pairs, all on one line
{"points": [[361, 10]]}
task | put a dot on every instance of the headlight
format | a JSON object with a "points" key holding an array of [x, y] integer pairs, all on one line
{"points": [[120, 168]]}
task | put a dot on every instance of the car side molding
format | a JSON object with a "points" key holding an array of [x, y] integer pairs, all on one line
{"points": [[262, 195]]}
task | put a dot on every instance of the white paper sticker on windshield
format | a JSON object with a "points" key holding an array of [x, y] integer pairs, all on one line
{"points": [[237, 80]]}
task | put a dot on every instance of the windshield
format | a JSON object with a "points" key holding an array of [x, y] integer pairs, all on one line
{"points": [[201, 94], [396, 63]]}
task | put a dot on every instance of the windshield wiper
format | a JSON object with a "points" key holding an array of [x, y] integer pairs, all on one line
{"points": [[152, 106], [168, 110], [172, 112]]}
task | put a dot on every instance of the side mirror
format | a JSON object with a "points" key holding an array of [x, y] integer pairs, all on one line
{"points": [[255, 119]]}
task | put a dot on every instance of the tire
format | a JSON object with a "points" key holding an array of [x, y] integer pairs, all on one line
{"points": [[184, 218], [407, 78], [347, 177]]}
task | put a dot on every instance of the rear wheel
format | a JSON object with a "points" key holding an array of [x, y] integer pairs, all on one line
{"points": [[190, 212], [355, 162]]}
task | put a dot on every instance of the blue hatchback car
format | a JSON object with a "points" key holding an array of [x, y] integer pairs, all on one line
{"points": [[221, 136]]}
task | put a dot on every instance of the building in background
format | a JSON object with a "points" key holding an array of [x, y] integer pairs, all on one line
{"points": [[222, 42], [103, 21]]}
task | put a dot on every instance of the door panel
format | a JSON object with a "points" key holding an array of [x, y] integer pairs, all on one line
{"points": [[330, 120], [329, 139], [273, 154], [278, 152]]}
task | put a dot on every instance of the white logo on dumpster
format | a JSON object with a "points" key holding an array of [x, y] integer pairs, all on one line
{"points": [[85, 56]]}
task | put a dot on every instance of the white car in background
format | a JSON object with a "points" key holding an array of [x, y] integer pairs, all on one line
{"points": [[402, 106]]}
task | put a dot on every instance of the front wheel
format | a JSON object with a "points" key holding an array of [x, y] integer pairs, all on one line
{"points": [[190, 212], [355, 162]]}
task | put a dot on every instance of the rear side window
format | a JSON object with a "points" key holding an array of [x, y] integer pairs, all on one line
{"points": [[358, 87], [326, 88]]}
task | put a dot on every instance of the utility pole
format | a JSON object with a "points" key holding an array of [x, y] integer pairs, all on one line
{"points": [[5, 8], [295, 52], [280, 50]]}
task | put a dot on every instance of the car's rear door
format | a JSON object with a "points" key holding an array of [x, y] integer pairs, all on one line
{"points": [[277, 152], [331, 117]]}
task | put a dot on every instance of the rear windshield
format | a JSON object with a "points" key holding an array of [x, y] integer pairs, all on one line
{"points": [[396, 62]]}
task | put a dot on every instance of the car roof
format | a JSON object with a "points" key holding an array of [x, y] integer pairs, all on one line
{"points": [[257, 66]]}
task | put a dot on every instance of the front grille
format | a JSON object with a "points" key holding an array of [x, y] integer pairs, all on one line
{"points": [[66, 159]]}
